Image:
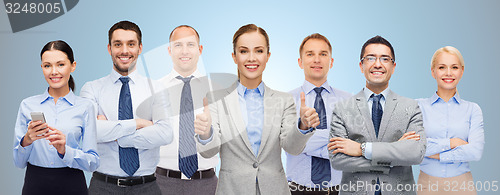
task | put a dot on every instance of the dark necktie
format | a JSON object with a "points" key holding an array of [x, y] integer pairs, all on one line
{"points": [[129, 157], [320, 167], [188, 159], [377, 113]]}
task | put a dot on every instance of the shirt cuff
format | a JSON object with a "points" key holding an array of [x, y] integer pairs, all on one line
{"points": [[68, 156], [204, 142], [368, 150], [304, 131], [25, 149]]}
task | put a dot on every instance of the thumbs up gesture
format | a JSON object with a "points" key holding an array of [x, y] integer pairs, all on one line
{"points": [[308, 116], [203, 122]]}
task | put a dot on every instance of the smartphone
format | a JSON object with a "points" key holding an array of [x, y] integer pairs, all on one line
{"points": [[38, 116]]}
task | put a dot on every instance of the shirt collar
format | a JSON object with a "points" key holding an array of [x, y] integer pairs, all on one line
{"points": [[308, 87], [70, 97], [171, 76], [242, 89], [367, 92], [435, 98], [115, 76]]}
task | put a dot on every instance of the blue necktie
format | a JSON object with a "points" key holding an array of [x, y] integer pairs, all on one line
{"points": [[320, 167], [377, 113], [129, 157], [188, 159]]}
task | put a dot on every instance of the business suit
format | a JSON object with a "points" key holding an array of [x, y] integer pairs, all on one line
{"points": [[391, 159], [241, 171]]}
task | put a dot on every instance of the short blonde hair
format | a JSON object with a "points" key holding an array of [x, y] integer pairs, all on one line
{"points": [[448, 49]]}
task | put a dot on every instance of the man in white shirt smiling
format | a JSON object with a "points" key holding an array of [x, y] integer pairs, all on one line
{"points": [[132, 122]]}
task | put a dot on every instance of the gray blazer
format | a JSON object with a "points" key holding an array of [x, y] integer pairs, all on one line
{"points": [[241, 171], [391, 159]]}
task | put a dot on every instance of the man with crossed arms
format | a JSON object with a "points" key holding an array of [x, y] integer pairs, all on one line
{"points": [[377, 135]]}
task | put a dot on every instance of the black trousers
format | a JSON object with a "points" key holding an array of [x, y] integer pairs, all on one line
{"points": [[41, 180]]}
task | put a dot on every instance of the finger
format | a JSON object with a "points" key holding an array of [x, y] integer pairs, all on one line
{"points": [[330, 144], [336, 139], [302, 99], [205, 105], [315, 124], [199, 128], [58, 142], [41, 132], [309, 112], [202, 117]]}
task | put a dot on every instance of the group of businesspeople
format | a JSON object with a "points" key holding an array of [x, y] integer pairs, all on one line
{"points": [[140, 136]]}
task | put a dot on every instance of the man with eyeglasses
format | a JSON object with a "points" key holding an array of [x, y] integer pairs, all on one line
{"points": [[377, 135]]}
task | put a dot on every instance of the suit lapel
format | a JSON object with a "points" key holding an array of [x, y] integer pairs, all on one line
{"points": [[268, 116], [233, 104], [362, 104], [390, 104]]}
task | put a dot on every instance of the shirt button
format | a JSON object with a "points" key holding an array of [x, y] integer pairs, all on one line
{"points": [[52, 163], [255, 165]]}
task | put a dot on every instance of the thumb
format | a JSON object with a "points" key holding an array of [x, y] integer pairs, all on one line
{"points": [[302, 99], [205, 105]]}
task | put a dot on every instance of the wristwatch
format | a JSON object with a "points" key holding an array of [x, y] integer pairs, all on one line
{"points": [[363, 147]]}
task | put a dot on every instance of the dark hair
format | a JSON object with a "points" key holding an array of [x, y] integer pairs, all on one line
{"points": [[247, 29], [62, 46], [377, 40], [184, 26], [125, 25], [314, 36]]}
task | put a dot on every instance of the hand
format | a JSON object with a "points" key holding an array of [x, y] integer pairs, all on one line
{"points": [[308, 116], [455, 142], [102, 117], [346, 146], [203, 122], [141, 123], [410, 136], [36, 130], [57, 139], [434, 156]]}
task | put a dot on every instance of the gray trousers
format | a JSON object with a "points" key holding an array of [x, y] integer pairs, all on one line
{"points": [[98, 187], [176, 186]]}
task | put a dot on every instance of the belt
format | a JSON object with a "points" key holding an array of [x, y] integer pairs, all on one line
{"points": [[177, 174], [124, 181]]}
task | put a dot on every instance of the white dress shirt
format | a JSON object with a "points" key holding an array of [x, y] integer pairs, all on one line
{"points": [[147, 104], [200, 86]]}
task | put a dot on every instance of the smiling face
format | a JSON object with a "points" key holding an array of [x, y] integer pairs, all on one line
{"points": [[57, 69], [316, 60], [251, 57], [124, 50], [377, 73], [184, 50], [447, 71]]}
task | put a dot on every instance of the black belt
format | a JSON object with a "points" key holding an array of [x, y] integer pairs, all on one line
{"points": [[177, 174], [124, 181]]}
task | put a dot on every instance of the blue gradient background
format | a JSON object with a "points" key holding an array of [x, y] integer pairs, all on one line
{"points": [[415, 28]]}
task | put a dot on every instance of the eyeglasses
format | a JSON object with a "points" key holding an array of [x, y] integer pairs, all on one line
{"points": [[369, 60]]}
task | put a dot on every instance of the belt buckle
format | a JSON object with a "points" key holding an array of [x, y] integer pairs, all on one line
{"points": [[184, 177], [118, 182]]}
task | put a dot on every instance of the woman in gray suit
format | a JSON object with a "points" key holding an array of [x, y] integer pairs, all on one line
{"points": [[454, 129], [251, 122]]}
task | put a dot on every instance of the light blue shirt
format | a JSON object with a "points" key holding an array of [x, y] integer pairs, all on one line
{"points": [[149, 102], [256, 102], [298, 168], [456, 118], [368, 93], [74, 117]]}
